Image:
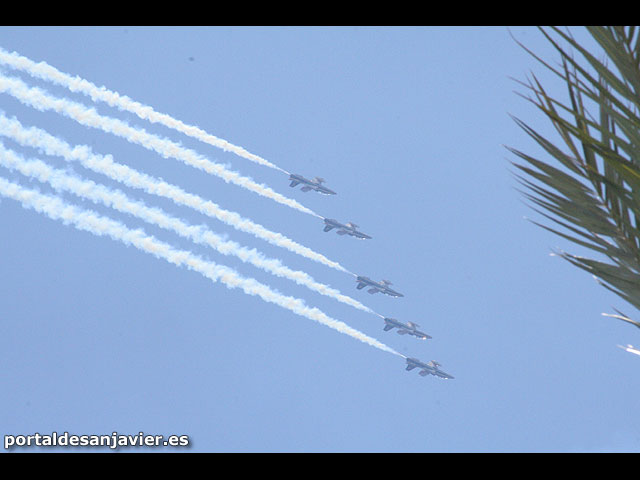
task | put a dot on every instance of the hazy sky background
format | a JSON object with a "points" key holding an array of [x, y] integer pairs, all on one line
{"points": [[408, 125]]}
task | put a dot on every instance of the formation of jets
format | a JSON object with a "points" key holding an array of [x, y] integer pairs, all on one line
{"points": [[382, 286]]}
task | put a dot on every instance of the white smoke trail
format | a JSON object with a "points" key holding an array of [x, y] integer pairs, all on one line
{"points": [[118, 200], [37, 138], [90, 221], [40, 100], [44, 71]]}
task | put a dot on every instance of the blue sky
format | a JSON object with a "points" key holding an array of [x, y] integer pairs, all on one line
{"points": [[408, 125]]}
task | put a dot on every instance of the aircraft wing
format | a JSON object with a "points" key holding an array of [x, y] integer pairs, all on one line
{"points": [[328, 228], [294, 183], [388, 327], [362, 235], [411, 367], [393, 293], [305, 188], [342, 232], [361, 285], [373, 290], [402, 332]]}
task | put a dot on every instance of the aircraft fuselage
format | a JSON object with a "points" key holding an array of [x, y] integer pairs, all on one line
{"points": [[430, 368], [376, 286], [404, 328], [310, 184], [330, 224]]}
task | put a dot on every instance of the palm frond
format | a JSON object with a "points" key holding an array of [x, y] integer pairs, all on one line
{"points": [[623, 317], [593, 194]]}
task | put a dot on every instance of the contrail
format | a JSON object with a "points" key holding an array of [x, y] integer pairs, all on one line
{"points": [[37, 138], [40, 100], [90, 221], [44, 71], [116, 199]]}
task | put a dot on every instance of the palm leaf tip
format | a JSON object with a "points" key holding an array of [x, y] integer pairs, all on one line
{"points": [[623, 317]]}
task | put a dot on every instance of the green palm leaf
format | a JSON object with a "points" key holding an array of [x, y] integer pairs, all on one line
{"points": [[593, 194]]}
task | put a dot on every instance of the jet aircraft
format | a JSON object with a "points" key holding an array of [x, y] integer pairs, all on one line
{"points": [[344, 229], [630, 349], [314, 184], [404, 328], [382, 286], [430, 368]]}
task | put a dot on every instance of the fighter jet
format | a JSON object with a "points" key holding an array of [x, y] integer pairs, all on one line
{"points": [[382, 286], [314, 184], [404, 328], [630, 349], [344, 229], [430, 368]]}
